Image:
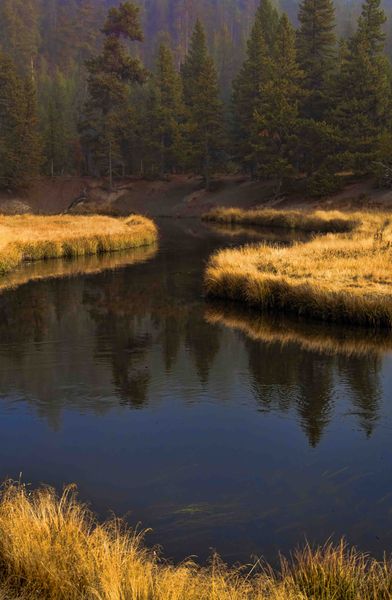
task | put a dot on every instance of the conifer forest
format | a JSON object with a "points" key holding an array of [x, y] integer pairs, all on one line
{"points": [[289, 91]]}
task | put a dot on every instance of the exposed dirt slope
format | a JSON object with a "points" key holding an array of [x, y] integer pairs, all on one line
{"points": [[179, 196]]}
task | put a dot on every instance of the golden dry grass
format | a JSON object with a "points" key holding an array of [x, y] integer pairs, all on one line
{"points": [[31, 238], [84, 265], [315, 337], [317, 221], [335, 277], [53, 549]]}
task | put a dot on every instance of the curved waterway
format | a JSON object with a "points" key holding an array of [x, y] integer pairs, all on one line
{"points": [[218, 428]]}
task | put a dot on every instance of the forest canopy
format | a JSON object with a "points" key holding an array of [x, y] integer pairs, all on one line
{"points": [[156, 87]]}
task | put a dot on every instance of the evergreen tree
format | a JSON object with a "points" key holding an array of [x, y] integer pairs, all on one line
{"points": [[247, 85], [19, 140], [19, 33], [363, 92], [316, 43], [171, 111], [277, 112], [204, 108], [110, 75], [58, 122], [317, 53]]}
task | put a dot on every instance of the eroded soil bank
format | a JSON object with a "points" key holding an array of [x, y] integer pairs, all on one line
{"points": [[178, 196]]}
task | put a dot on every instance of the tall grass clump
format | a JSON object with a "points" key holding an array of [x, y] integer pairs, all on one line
{"points": [[315, 221], [343, 277], [31, 238], [52, 548]]}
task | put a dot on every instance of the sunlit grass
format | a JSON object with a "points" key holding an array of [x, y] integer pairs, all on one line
{"points": [[317, 221], [343, 277], [85, 265], [53, 549], [32, 238]]}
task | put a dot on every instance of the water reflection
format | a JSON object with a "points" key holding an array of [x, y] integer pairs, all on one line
{"points": [[296, 364], [215, 426]]}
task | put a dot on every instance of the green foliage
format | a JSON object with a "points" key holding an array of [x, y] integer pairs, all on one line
{"points": [[323, 183], [277, 113], [124, 22], [204, 109], [317, 54], [110, 75], [307, 115], [363, 92], [19, 32], [58, 123], [20, 150], [247, 86]]}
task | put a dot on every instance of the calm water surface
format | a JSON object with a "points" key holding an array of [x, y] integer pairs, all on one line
{"points": [[217, 428]]}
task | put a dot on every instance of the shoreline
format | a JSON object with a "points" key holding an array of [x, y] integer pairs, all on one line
{"points": [[336, 277], [27, 239], [53, 548]]}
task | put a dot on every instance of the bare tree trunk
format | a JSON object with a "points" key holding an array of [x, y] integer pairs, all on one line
{"points": [[110, 167]]}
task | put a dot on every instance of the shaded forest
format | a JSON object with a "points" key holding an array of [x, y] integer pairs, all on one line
{"points": [[167, 86]]}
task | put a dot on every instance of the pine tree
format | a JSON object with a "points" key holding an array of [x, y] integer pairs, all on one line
{"points": [[204, 108], [363, 92], [110, 75], [277, 112], [246, 87], [30, 142], [19, 140], [317, 53], [172, 111], [19, 32], [58, 121]]}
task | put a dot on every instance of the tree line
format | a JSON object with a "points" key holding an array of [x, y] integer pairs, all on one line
{"points": [[305, 105]]}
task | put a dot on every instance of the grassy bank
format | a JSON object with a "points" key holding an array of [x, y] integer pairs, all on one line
{"points": [[343, 277], [32, 238], [52, 549], [86, 265], [317, 221]]}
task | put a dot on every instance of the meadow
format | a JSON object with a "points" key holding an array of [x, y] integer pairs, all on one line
{"points": [[32, 238], [52, 548], [342, 277]]}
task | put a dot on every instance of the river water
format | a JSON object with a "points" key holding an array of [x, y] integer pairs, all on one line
{"points": [[218, 428]]}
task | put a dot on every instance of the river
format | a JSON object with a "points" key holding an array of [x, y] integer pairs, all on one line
{"points": [[218, 428]]}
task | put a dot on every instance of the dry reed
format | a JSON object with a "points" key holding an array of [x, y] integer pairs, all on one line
{"points": [[31, 238], [317, 221], [53, 549], [85, 265], [335, 277]]}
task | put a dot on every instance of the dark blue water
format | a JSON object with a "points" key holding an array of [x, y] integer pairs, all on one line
{"points": [[215, 427]]}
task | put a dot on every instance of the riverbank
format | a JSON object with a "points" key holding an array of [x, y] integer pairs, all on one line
{"points": [[297, 220], [342, 277], [53, 549], [179, 196], [33, 238]]}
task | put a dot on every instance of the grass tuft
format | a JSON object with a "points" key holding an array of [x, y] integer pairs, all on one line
{"points": [[32, 238], [52, 548], [344, 277], [317, 221]]}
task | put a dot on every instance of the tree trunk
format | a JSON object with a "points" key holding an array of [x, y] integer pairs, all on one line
{"points": [[110, 168]]}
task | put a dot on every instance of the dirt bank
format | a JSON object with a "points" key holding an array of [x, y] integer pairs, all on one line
{"points": [[178, 196]]}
